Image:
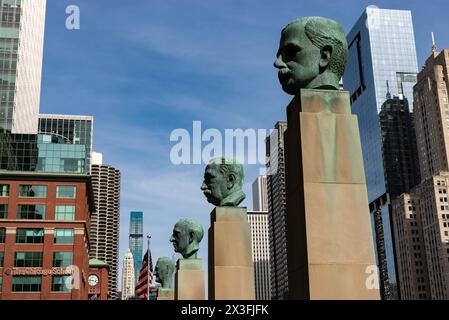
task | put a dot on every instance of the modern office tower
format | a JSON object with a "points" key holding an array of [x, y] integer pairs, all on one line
{"points": [[399, 151], [260, 198], [410, 248], [261, 253], [136, 240], [77, 130], [21, 54], [128, 278], [431, 109], [105, 220], [277, 220], [381, 49], [429, 235], [40, 153]]}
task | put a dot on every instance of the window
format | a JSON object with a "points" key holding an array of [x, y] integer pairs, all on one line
{"points": [[29, 191], [63, 236], [65, 213], [31, 211], [3, 211], [1, 283], [2, 256], [2, 235], [61, 283], [30, 236], [28, 259], [4, 190], [62, 259], [66, 192], [26, 284]]}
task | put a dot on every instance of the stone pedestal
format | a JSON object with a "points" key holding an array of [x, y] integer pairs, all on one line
{"points": [[189, 280], [330, 244], [231, 269], [165, 294]]}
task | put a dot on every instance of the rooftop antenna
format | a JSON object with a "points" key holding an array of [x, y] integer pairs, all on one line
{"points": [[434, 46]]}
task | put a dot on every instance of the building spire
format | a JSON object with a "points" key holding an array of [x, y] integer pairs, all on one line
{"points": [[434, 46]]}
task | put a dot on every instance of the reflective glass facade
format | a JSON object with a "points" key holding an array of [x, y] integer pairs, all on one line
{"points": [[136, 241], [41, 153], [75, 130], [382, 53]]}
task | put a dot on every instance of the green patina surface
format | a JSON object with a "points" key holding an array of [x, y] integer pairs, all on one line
{"points": [[186, 238], [164, 272]]}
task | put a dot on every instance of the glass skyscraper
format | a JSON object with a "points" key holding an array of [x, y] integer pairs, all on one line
{"points": [[136, 240], [76, 130], [22, 24], [382, 54]]}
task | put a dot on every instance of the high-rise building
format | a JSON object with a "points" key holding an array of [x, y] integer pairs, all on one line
{"points": [[128, 278], [381, 48], [431, 109], [422, 222], [105, 220], [258, 221], [77, 130], [399, 151], [21, 50], [260, 198], [136, 240], [277, 211], [423, 214]]}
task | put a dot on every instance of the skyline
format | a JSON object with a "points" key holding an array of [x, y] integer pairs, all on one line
{"points": [[137, 84]]}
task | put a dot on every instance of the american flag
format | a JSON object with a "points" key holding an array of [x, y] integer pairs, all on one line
{"points": [[141, 288]]}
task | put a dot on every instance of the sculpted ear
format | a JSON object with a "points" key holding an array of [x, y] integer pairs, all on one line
{"points": [[231, 181], [326, 54], [191, 236]]}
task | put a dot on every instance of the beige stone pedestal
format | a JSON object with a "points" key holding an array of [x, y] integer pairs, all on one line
{"points": [[165, 294], [231, 269], [189, 280], [330, 244]]}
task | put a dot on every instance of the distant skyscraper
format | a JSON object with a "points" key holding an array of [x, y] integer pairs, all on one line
{"points": [[21, 47], [261, 253], [77, 130], [260, 198], [277, 220], [399, 149], [128, 277], [381, 49], [136, 240], [105, 220]]}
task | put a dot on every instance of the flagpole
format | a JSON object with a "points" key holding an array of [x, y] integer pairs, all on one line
{"points": [[148, 268]]}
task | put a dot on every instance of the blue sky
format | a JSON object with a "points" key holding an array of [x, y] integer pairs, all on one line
{"points": [[143, 68]]}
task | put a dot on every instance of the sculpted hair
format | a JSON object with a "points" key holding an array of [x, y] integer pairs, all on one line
{"points": [[326, 32], [228, 165], [195, 226]]}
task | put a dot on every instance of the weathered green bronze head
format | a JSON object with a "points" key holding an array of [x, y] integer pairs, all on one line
{"points": [[164, 272], [223, 181], [313, 53], [186, 238]]}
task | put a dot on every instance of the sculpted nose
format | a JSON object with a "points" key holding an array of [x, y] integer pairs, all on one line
{"points": [[203, 186], [279, 64], [172, 239]]}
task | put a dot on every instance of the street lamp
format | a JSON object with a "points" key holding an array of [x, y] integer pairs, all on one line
{"points": [[148, 268]]}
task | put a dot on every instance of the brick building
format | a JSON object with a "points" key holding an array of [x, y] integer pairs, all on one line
{"points": [[44, 236]]}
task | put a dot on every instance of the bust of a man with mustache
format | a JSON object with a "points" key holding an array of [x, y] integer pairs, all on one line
{"points": [[223, 181], [312, 54]]}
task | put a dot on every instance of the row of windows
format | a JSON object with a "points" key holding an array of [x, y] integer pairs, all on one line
{"points": [[34, 283], [32, 191], [28, 236], [37, 212], [34, 259]]}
